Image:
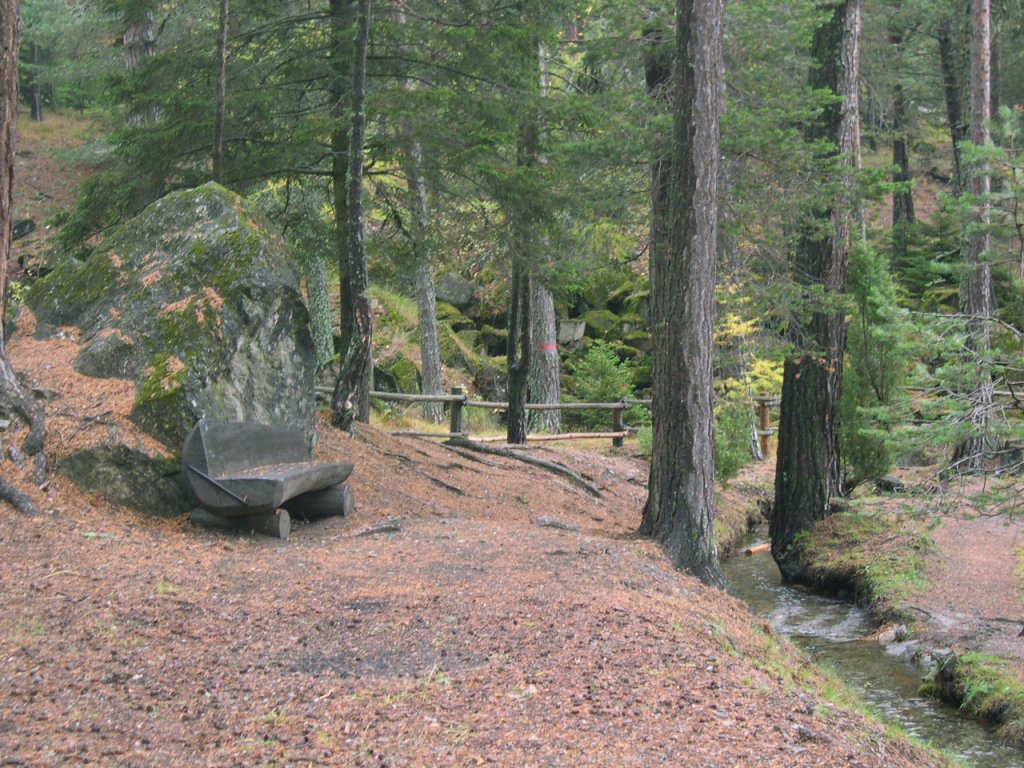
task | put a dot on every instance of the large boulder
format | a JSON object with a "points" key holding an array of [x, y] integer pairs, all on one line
{"points": [[454, 290], [197, 300]]}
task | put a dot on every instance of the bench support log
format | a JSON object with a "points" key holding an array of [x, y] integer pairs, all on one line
{"points": [[277, 525]]}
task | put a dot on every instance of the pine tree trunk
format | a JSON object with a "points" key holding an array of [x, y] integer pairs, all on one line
{"points": [[140, 44], [519, 350], [222, 80], [951, 91], [426, 299], [351, 393], [340, 89], [545, 365], [315, 268], [807, 473], [658, 74], [8, 112], [12, 399], [903, 217], [35, 96], [680, 504], [976, 287]]}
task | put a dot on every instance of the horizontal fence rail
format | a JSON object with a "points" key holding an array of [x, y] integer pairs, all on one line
{"points": [[458, 400]]}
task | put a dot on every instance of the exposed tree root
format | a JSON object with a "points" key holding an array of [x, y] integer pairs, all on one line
{"points": [[550, 466], [16, 498], [14, 400]]}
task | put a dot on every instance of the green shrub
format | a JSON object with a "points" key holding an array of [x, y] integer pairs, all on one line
{"points": [[599, 377], [734, 424]]}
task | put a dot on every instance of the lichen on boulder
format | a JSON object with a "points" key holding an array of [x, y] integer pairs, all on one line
{"points": [[197, 300]]}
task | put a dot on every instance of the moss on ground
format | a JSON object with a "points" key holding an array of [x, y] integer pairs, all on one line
{"points": [[984, 686], [877, 555]]}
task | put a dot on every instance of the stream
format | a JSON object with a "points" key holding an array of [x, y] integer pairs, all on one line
{"points": [[829, 630]]}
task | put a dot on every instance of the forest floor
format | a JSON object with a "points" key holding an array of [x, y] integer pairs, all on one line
{"points": [[473, 611]]}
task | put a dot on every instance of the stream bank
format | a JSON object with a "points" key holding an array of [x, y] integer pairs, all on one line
{"points": [[839, 634]]}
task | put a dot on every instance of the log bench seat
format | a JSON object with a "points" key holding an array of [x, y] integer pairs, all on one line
{"points": [[241, 472]]}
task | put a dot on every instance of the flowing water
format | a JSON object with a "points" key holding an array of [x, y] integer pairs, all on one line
{"points": [[830, 630]]}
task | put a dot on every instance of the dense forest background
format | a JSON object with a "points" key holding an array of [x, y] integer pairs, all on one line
{"points": [[515, 148]]}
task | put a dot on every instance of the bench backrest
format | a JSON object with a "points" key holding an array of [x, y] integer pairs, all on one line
{"points": [[223, 447]]}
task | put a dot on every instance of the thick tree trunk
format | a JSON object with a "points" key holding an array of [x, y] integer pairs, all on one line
{"points": [[807, 471], [976, 286], [545, 364], [951, 91], [680, 504], [351, 393], [12, 399], [222, 87]]}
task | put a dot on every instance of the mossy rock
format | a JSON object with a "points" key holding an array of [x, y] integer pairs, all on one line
{"points": [[638, 340], [494, 339], [638, 303], [454, 318], [397, 373], [196, 300], [618, 298], [130, 477], [603, 285], [457, 351], [602, 324]]}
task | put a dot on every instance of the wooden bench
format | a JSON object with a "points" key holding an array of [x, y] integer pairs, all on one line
{"points": [[240, 474]]}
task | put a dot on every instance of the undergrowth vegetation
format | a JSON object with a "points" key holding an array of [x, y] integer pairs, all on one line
{"points": [[877, 555]]}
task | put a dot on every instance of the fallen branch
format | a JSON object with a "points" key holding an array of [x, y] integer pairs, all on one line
{"points": [[550, 466]]}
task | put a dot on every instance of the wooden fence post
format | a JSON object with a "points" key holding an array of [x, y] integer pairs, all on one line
{"points": [[618, 425], [764, 424], [456, 423]]}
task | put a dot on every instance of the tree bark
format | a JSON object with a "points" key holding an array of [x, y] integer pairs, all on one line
{"points": [[680, 505], [222, 80], [352, 389], [545, 366], [35, 96], [12, 398], [976, 286], [426, 299], [519, 349], [139, 44], [807, 473], [903, 217], [340, 89], [658, 74], [951, 90], [315, 268]]}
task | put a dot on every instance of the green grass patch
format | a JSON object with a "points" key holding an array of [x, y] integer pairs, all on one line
{"points": [[987, 687], [876, 555]]}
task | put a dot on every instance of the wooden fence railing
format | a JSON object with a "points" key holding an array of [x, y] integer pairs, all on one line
{"points": [[458, 401]]}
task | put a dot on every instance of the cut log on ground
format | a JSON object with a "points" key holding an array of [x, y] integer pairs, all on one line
{"points": [[338, 500], [277, 525]]}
